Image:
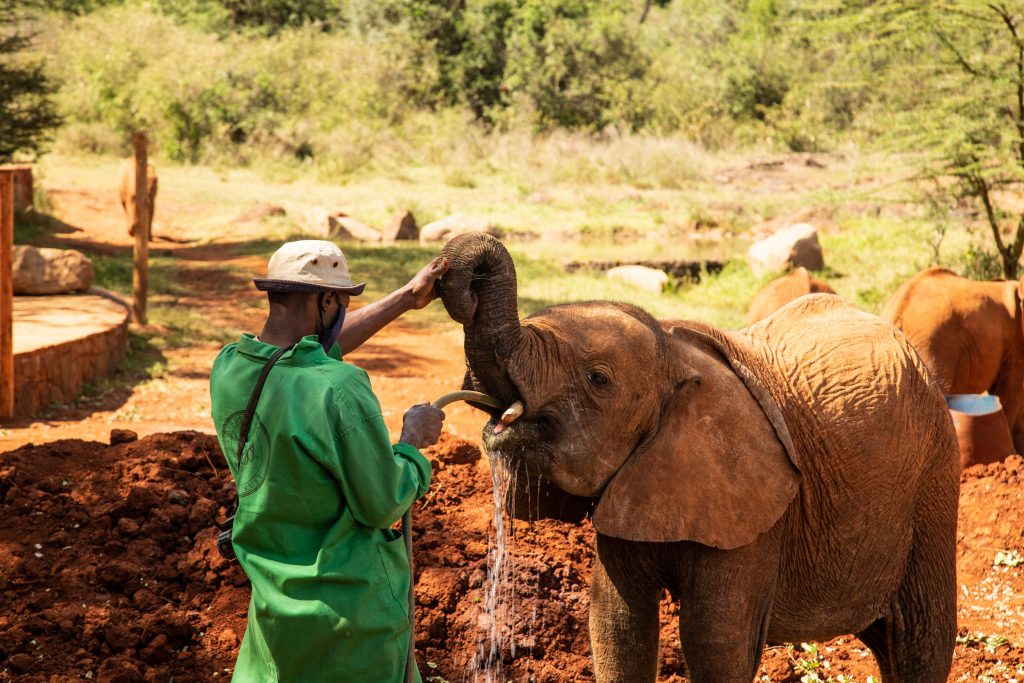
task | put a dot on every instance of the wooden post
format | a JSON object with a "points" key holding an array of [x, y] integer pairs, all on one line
{"points": [[6, 294], [140, 281]]}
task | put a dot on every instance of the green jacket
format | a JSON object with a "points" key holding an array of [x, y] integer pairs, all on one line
{"points": [[319, 483]]}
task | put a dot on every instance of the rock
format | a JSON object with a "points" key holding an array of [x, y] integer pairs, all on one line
{"points": [[260, 212], [227, 639], [455, 225], [348, 228], [158, 651], [119, 670], [403, 227], [651, 279], [325, 224], [41, 270], [122, 436], [119, 575], [22, 663], [792, 247]]}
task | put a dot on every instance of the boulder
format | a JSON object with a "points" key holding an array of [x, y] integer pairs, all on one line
{"points": [[403, 227], [792, 247], [325, 224], [348, 228], [50, 271], [651, 279], [455, 225], [316, 222], [259, 212]]}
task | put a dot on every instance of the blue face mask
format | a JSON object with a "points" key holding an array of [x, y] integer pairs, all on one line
{"points": [[328, 336]]}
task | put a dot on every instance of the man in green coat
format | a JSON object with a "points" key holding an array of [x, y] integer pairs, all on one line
{"points": [[319, 481]]}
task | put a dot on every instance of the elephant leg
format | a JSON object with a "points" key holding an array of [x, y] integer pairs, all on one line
{"points": [[725, 603], [623, 616], [914, 640]]}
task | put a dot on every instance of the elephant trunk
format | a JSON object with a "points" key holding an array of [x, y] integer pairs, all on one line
{"points": [[479, 291]]}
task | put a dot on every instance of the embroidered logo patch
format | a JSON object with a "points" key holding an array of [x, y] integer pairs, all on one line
{"points": [[252, 469]]}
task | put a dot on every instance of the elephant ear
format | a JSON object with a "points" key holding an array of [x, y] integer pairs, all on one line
{"points": [[718, 469]]}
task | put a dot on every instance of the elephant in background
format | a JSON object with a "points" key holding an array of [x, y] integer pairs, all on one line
{"points": [[969, 335], [782, 290], [796, 480], [126, 191]]}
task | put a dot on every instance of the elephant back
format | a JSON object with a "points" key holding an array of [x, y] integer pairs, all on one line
{"points": [[871, 434]]}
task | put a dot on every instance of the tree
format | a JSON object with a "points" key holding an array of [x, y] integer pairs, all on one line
{"points": [[958, 90], [27, 113], [984, 41]]}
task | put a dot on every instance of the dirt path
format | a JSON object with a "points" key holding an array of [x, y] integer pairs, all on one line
{"points": [[407, 363]]}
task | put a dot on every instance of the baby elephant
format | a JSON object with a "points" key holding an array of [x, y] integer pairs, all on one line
{"points": [[126, 189], [796, 480], [782, 290]]}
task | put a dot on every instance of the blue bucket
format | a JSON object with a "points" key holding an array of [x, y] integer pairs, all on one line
{"points": [[974, 404]]}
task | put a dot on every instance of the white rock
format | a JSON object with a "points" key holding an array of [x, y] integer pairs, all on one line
{"points": [[455, 225], [651, 279], [50, 271], [791, 247]]}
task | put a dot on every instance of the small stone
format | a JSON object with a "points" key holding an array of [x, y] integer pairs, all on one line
{"points": [[122, 436], [159, 650], [227, 639], [22, 663], [128, 526]]}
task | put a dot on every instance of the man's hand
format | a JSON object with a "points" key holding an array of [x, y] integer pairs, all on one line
{"points": [[421, 425], [422, 286]]}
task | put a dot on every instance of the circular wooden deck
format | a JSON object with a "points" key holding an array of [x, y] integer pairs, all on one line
{"points": [[63, 342]]}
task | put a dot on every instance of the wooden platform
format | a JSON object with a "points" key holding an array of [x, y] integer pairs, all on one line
{"points": [[62, 342]]}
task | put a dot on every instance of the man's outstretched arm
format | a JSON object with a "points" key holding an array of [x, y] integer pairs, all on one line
{"points": [[363, 323]]}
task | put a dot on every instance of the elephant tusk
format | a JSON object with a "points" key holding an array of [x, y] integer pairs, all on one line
{"points": [[514, 412]]}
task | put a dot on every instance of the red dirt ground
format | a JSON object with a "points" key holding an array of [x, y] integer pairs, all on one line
{"points": [[108, 571]]}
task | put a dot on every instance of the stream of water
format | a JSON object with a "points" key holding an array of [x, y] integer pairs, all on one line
{"points": [[497, 617]]}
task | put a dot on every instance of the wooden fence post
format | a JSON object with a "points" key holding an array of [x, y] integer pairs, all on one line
{"points": [[6, 294], [140, 280]]}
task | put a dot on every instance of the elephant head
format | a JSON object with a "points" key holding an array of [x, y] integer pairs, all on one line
{"points": [[663, 423]]}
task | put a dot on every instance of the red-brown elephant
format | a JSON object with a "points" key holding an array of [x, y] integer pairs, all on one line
{"points": [[969, 336], [126, 190], [795, 480], [782, 290]]}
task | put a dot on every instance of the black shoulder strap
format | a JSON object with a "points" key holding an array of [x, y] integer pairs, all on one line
{"points": [[250, 409]]}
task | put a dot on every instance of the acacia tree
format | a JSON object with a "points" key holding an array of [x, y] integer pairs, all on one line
{"points": [[976, 118], [27, 112]]}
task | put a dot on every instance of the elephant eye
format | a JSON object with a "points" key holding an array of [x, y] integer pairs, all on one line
{"points": [[598, 378]]}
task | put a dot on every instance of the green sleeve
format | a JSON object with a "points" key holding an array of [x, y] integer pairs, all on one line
{"points": [[379, 481]]}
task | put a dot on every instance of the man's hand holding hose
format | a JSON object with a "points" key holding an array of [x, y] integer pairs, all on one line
{"points": [[421, 425]]}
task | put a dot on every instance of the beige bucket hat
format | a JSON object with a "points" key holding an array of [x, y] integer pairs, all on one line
{"points": [[308, 266]]}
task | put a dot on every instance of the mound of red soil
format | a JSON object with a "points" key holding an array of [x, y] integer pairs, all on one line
{"points": [[108, 571]]}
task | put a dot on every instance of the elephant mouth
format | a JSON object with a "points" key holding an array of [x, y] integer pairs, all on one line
{"points": [[524, 439]]}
